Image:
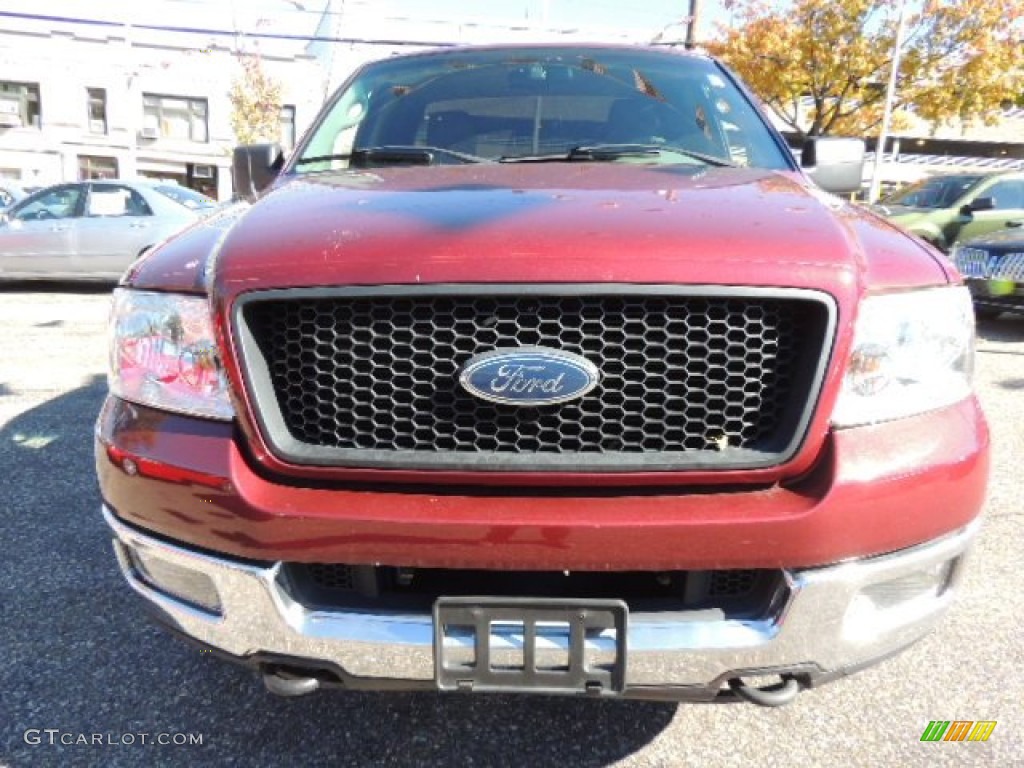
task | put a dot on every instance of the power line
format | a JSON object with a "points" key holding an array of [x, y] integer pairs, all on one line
{"points": [[345, 12], [224, 32], [281, 36], [278, 9]]}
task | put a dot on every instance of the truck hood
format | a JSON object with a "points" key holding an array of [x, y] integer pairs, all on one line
{"points": [[558, 222]]}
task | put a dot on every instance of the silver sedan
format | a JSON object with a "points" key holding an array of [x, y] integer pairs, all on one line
{"points": [[92, 230]]}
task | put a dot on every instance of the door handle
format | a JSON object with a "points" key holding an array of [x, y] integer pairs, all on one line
{"points": [[140, 225], [1012, 223], [59, 228]]}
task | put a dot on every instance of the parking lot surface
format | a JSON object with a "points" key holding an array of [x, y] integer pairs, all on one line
{"points": [[79, 655]]}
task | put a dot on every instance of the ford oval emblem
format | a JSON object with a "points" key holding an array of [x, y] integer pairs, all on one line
{"points": [[528, 376]]}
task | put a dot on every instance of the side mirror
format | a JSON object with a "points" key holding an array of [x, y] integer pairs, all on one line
{"points": [[254, 167], [979, 204], [834, 164]]}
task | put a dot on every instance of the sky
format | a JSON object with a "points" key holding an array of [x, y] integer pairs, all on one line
{"points": [[429, 19]]}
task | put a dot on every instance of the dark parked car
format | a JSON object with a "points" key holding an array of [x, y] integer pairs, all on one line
{"points": [[993, 267], [946, 209], [92, 230]]}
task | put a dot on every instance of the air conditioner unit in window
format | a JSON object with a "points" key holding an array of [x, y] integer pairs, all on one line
{"points": [[10, 121], [149, 133]]}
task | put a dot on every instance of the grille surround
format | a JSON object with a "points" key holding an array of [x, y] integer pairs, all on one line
{"points": [[1010, 266], [270, 419], [973, 262], [984, 264]]}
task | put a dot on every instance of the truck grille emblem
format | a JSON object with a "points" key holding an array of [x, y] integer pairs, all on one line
{"points": [[529, 376]]}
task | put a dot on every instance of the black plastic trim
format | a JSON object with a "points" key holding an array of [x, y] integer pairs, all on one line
{"points": [[577, 677], [267, 412]]}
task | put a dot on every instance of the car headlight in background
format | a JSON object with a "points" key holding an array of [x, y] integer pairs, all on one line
{"points": [[912, 352], [163, 354]]}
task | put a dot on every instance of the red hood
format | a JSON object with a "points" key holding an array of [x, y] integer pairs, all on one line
{"points": [[554, 222]]}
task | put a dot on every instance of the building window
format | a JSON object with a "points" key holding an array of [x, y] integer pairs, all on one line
{"points": [[97, 110], [19, 105], [287, 127], [203, 178], [93, 167], [174, 117]]}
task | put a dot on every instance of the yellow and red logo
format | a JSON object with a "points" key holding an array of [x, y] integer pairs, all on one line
{"points": [[958, 730]]}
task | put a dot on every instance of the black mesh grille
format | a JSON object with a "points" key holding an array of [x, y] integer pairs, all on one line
{"points": [[333, 586], [731, 583], [680, 374], [332, 576]]}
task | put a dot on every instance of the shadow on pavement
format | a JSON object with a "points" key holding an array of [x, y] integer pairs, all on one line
{"points": [[80, 655], [1005, 328]]}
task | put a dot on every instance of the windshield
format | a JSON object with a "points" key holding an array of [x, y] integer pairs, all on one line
{"points": [[938, 192], [187, 197], [518, 105]]}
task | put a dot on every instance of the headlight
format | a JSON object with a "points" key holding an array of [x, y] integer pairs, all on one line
{"points": [[163, 354], [912, 352]]}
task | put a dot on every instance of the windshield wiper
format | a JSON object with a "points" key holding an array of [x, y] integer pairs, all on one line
{"points": [[586, 152], [604, 152], [715, 160], [394, 155]]}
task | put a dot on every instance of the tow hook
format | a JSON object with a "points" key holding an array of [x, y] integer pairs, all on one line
{"points": [[776, 695], [285, 684]]}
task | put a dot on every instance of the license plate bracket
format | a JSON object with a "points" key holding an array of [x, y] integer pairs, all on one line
{"points": [[537, 645]]}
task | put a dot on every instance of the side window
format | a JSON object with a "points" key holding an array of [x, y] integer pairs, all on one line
{"points": [[59, 203], [116, 201], [1008, 194]]}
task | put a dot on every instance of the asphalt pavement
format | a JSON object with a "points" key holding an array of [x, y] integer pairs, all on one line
{"points": [[85, 679]]}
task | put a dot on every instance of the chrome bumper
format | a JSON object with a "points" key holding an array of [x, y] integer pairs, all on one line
{"points": [[822, 626]]}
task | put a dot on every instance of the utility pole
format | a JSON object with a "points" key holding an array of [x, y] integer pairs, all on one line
{"points": [[890, 95], [691, 25], [235, 27]]}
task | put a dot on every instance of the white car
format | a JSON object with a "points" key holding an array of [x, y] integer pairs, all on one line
{"points": [[92, 230]]}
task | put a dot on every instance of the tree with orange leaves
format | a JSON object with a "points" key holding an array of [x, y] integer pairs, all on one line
{"points": [[256, 103], [821, 65]]}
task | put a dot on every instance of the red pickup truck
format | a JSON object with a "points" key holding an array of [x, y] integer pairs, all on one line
{"points": [[545, 369]]}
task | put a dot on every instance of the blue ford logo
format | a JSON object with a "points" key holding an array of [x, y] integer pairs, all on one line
{"points": [[528, 376]]}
